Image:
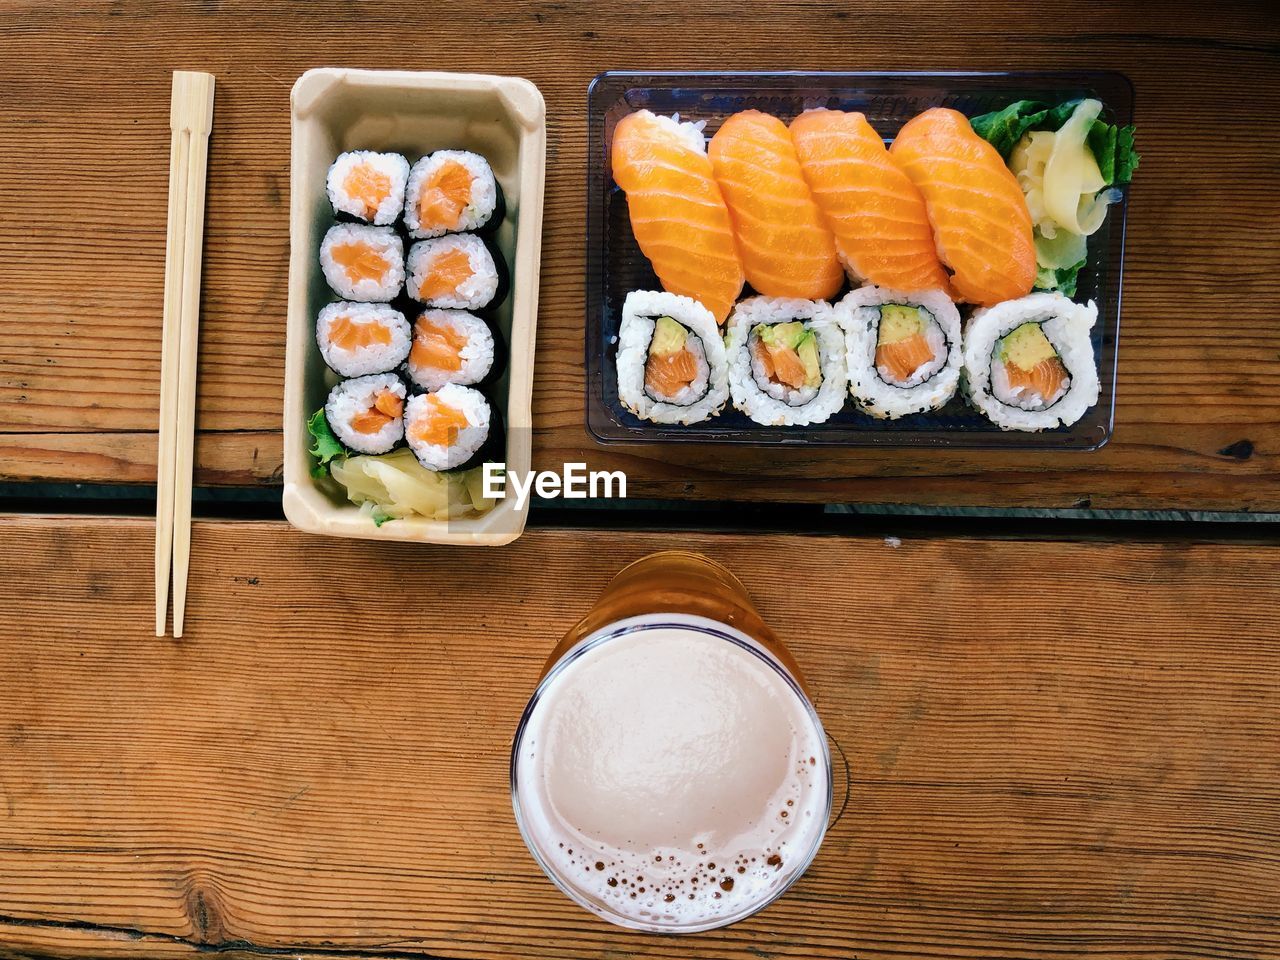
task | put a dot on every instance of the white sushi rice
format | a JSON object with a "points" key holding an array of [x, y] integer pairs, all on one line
{"points": [[475, 292], [468, 440], [750, 389], [370, 358], [874, 389], [353, 397], [385, 241], [484, 193], [688, 131], [703, 398], [476, 354], [391, 165], [1067, 326]]}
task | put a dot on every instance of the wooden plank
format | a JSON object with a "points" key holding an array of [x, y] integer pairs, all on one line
{"points": [[1057, 749], [1198, 418]]}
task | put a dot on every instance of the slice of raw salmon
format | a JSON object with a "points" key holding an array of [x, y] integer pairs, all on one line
{"points": [[360, 261], [904, 357], [787, 249], [369, 185], [389, 403], [780, 364], [878, 216], [440, 424], [678, 215], [444, 196], [449, 270], [670, 373], [347, 334], [1045, 378], [978, 212], [436, 346]]}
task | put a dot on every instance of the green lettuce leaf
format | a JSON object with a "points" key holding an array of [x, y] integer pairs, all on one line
{"points": [[1004, 128], [1062, 279], [326, 446], [1112, 146], [380, 516]]}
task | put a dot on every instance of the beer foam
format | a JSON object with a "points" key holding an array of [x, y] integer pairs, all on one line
{"points": [[671, 778]]}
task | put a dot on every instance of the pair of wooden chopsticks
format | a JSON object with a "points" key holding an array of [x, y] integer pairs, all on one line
{"points": [[190, 119]]}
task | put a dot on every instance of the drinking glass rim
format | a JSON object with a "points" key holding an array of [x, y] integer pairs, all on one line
{"points": [[713, 628]]}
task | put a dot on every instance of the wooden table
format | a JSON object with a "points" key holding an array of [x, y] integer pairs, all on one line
{"points": [[84, 141], [1056, 749]]}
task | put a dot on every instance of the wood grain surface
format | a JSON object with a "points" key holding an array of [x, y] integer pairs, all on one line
{"points": [[83, 148], [1057, 749]]}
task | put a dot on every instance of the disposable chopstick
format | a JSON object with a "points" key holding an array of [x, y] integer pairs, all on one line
{"points": [[190, 120]]}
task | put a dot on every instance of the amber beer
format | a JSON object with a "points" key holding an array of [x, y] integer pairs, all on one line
{"points": [[670, 773]]}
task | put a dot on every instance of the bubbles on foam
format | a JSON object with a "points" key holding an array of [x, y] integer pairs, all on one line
{"points": [[697, 882]]}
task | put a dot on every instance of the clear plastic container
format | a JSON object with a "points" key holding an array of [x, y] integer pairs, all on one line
{"points": [[615, 265]]}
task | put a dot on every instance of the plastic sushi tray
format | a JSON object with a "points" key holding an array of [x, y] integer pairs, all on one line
{"points": [[615, 265]]}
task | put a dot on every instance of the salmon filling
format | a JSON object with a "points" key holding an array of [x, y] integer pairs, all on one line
{"points": [[666, 376], [359, 261], [386, 407], [905, 357], [444, 196], [368, 185], [436, 346], [785, 361], [910, 345], [449, 270], [780, 364], [1045, 378], [1026, 370], [440, 425], [347, 334]]}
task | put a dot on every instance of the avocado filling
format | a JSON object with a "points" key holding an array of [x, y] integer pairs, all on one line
{"points": [[1026, 370], [910, 345], [675, 370], [785, 362]]}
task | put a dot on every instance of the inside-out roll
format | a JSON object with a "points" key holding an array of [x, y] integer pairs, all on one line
{"points": [[786, 361], [671, 360], [1029, 364], [904, 350]]}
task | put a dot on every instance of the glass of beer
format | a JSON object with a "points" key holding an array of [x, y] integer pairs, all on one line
{"points": [[670, 773]]}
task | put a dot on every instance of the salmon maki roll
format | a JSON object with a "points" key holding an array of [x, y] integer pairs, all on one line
{"points": [[366, 413], [449, 346], [451, 191], [368, 186], [787, 249], [878, 216], [678, 215], [979, 215], [456, 271], [357, 339], [363, 263], [450, 429]]}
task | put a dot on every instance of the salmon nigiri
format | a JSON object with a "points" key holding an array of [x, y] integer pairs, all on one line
{"points": [[878, 216], [979, 215], [678, 214], [787, 248]]}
